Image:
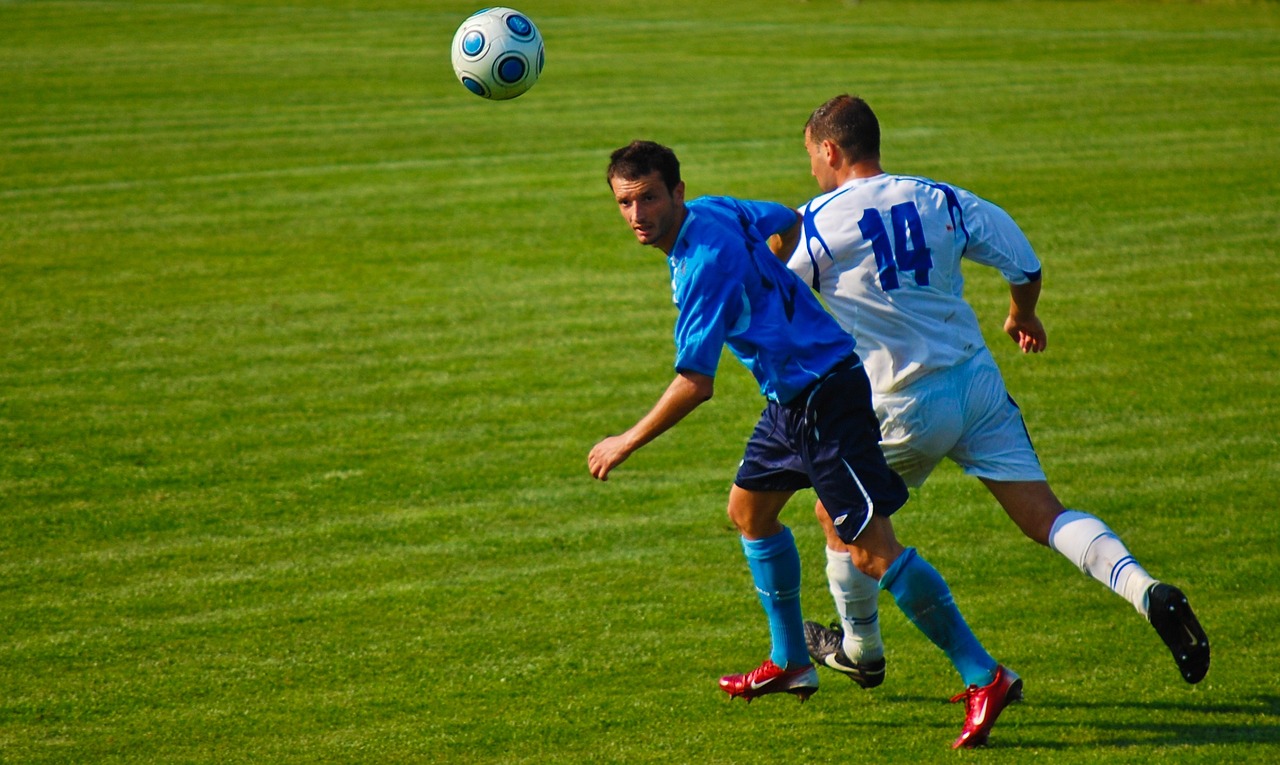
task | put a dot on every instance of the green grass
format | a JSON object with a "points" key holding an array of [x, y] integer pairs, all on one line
{"points": [[302, 348]]}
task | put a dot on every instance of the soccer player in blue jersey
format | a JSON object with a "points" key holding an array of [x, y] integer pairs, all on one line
{"points": [[884, 251], [817, 429]]}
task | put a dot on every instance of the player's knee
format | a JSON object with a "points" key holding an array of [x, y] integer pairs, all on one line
{"points": [[872, 565], [1037, 530], [876, 548], [1032, 506], [1036, 522], [749, 524]]}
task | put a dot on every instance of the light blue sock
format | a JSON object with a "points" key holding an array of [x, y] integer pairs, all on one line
{"points": [[925, 598], [775, 567]]}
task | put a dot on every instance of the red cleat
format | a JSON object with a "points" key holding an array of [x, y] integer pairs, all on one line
{"points": [[770, 678], [983, 705]]}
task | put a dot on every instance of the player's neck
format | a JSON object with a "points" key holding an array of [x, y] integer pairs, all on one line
{"points": [[867, 168], [668, 242]]}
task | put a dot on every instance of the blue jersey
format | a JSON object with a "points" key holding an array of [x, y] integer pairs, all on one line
{"points": [[731, 289]]}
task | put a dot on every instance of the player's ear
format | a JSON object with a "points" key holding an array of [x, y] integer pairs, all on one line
{"points": [[832, 154], [678, 193]]}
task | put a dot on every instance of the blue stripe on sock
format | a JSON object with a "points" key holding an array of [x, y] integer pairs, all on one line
{"points": [[1120, 566]]}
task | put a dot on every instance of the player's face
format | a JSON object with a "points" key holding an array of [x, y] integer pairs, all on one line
{"points": [[820, 163], [652, 211]]}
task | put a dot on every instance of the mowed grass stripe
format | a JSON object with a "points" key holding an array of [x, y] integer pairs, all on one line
{"points": [[304, 348]]}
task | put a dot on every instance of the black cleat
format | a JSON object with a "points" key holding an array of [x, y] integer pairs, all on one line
{"points": [[826, 647], [1171, 615]]}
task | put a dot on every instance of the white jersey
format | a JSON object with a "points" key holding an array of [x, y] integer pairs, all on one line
{"points": [[884, 252]]}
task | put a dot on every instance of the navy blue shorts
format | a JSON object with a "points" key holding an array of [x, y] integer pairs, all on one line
{"points": [[828, 438]]}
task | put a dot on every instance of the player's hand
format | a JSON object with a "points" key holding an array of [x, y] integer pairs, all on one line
{"points": [[607, 455], [1028, 333]]}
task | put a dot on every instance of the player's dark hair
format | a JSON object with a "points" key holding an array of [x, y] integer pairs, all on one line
{"points": [[640, 158], [849, 123]]}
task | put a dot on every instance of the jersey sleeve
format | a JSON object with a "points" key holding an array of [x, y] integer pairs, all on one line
{"points": [[811, 257], [768, 218], [996, 240], [804, 265], [711, 305]]}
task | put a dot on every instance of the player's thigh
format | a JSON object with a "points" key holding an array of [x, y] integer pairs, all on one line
{"points": [[995, 444], [755, 513], [771, 462], [842, 453], [828, 526], [919, 426]]}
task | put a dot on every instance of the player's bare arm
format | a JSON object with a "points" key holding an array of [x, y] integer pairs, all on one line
{"points": [[784, 243], [1022, 324], [685, 393]]}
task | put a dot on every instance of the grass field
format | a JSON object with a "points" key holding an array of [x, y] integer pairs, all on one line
{"points": [[302, 349]]}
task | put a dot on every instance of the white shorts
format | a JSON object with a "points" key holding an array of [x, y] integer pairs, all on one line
{"points": [[964, 413]]}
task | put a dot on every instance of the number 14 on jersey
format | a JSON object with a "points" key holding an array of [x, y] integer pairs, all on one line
{"points": [[907, 252]]}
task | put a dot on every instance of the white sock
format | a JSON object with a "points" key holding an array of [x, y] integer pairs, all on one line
{"points": [[856, 596], [1096, 550]]}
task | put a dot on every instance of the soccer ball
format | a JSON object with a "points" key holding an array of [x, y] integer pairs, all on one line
{"points": [[497, 53]]}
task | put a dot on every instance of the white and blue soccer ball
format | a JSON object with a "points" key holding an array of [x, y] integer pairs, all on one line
{"points": [[497, 53]]}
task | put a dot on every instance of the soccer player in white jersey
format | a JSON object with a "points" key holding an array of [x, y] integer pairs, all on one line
{"points": [[884, 251], [817, 430]]}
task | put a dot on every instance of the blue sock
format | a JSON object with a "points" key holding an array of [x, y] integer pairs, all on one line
{"points": [[775, 567], [925, 598]]}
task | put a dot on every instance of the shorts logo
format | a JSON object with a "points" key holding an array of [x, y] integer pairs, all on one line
{"points": [[842, 519]]}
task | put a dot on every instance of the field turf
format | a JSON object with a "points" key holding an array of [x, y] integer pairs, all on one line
{"points": [[302, 349]]}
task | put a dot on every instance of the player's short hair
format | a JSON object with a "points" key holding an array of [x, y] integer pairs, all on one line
{"points": [[849, 123], [640, 158]]}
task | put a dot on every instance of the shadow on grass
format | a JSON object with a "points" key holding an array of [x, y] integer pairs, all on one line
{"points": [[1123, 724], [1253, 720]]}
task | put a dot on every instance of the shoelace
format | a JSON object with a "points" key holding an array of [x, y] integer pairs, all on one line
{"points": [[767, 668]]}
